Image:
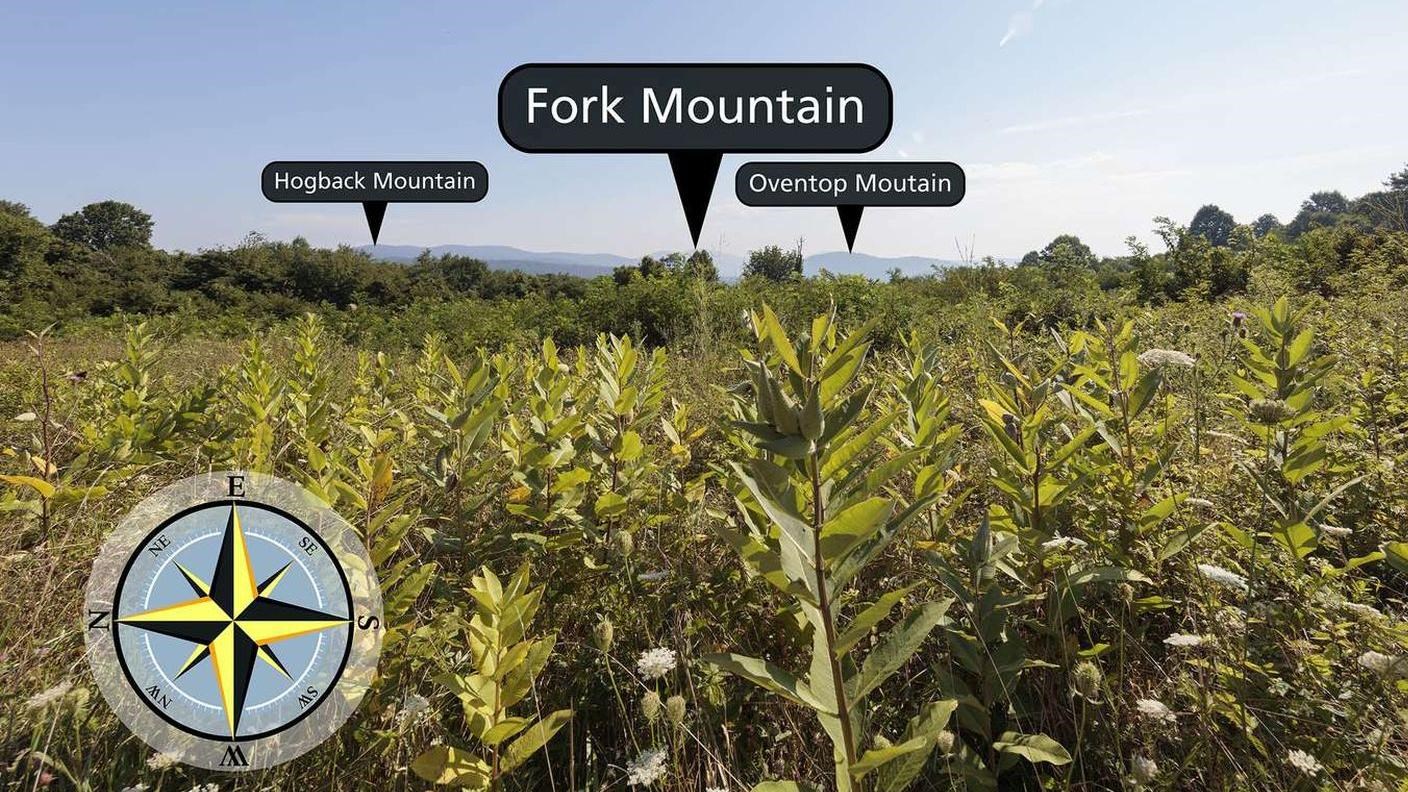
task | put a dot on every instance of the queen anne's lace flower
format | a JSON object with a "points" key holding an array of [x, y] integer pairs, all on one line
{"points": [[1338, 532], [1144, 769], [1155, 710], [1062, 542], [161, 761], [1223, 577], [1184, 640], [1154, 358], [647, 768], [656, 663], [1303, 762]]}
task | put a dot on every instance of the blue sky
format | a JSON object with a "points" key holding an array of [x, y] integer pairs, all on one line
{"points": [[1081, 116]]}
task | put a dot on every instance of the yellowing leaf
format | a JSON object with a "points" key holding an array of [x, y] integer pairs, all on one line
{"points": [[44, 488]]}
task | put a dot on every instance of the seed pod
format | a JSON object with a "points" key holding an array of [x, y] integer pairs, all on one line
{"points": [[603, 634], [675, 709], [650, 706]]}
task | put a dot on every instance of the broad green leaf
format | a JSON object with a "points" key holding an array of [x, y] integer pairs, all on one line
{"points": [[780, 343], [503, 730], [777, 786], [1396, 554], [794, 535], [840, 456], [631, 446], [1297, 537], [898, 774], [1032, 747], [456, 766], [532, 740], [861, 625], [609, 504], [876, 757], [895, 648], [769, 677], [853, 525]]}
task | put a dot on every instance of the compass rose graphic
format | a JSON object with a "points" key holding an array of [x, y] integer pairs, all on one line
{"points": [[233, 620]]}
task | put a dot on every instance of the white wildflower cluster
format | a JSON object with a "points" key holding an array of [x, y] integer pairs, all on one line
{"points": [[656, 663], [1338, 532], [1200, 503], [47, 698], [1062, 542], [1303, 762], [1144, 770], [211, 787], [647, 768], [1389, 667], [1155, 710], [1155, 358], [413, 707], [1184, 640], [136, 788], [162, 761], [652, 576], [1223, 577]]}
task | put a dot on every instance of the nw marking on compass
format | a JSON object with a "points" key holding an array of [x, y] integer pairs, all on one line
{"points": [[233, 621]]}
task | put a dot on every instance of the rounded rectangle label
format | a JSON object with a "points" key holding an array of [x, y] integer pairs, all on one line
{"points": [[671, 107], [366, 182], [850, 183]]}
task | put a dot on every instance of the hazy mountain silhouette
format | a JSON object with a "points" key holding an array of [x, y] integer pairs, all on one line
{"points": [[590, 265]]}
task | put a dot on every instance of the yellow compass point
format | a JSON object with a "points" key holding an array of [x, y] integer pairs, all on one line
{"points": [[200, 609], [267, 632], [246, 588], [222, 660]]}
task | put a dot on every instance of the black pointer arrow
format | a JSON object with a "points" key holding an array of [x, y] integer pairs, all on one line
{"points": [[375, 212], [850, 223], [695, 173]]}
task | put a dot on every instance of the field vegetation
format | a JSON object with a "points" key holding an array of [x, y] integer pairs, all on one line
{"points": [[1076, 523]]}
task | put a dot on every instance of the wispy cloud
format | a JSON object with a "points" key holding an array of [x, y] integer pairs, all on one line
{"points": [[1075, 120], [1026, 171], [1021, 23]]}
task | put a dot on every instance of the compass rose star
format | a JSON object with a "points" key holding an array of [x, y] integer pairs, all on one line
{"points": [[233, 620]]}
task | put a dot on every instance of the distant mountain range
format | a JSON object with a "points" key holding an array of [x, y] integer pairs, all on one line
{"points": [[590, 265]]}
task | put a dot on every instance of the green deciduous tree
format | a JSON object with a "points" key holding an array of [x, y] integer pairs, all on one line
{"points": [[1064, 252], [1213, 224], [106, 224], [1265, 225], [774, 263]]}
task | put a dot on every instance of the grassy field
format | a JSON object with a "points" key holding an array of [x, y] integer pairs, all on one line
{"points": [[1164, 550]]}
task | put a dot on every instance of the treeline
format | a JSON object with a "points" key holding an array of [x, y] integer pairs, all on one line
{"points": [[99, 262]]}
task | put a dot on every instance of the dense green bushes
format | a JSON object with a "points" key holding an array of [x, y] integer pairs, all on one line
{"points": [[96, 263]]}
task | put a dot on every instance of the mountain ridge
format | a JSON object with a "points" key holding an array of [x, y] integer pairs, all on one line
{"points": [[590, 265]]}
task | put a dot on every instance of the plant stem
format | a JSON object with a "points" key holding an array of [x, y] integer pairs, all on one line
{"points": [[843, 710]]}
